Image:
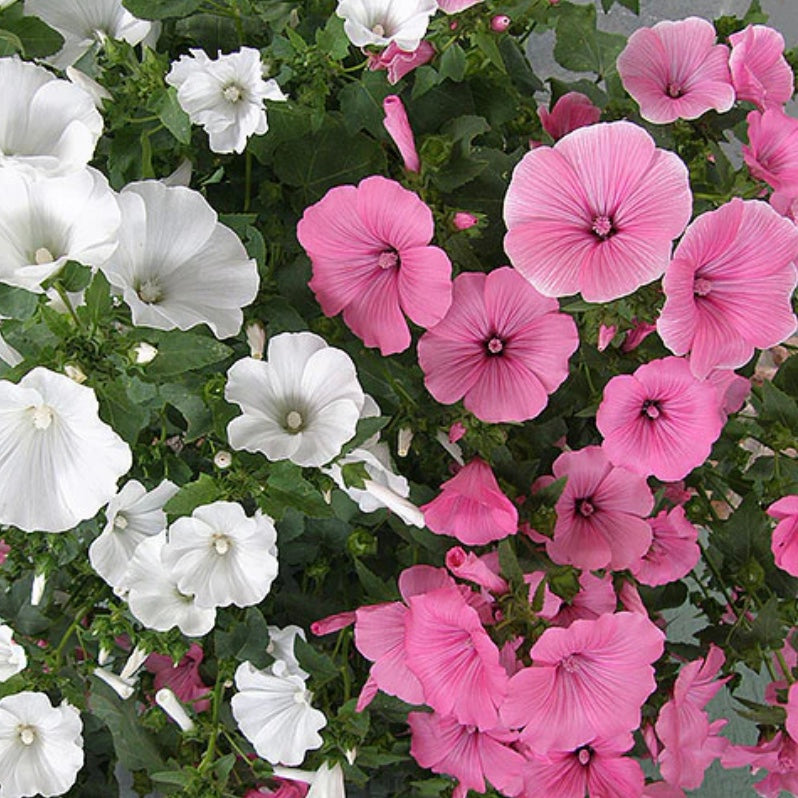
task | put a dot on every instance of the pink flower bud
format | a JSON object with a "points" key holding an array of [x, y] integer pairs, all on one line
{"points": [[463, 220], [398, 127], [456, 431], [605, 336], [500, 23]]}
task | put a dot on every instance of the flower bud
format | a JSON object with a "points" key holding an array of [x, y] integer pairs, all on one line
{"points": [[500, 23], [134, 662], [168, 702], [403, 441], [464, 220], [37, 589], [222, 459], [75, 373], [144, 353], [256, 338], [116, 683]]}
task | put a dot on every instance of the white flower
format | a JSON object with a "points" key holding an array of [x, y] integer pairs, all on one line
{"points": [[281, 647], [44, 222], [381, 22], [41, 747], [136, 659], [223, 459], [326, 782], [273, 711], [222, 556], [89, 22], [301, 404], [181, 176], [12, 655], [176, 265], [48, 124], [8, 354], [154, 597], [168, 702], [131, 516], [224, 95], [59, 462]]}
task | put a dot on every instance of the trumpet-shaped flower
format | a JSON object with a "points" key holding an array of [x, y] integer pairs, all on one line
{"points": [[132, 515], [676, 71], [221, 556], [399, 63], [502, 347], [51, 434], [50, 125], [729, 287], [274, 713], [596, 213], [182, 677], [772, 150], [301, 404], [759, 71], [12, 656], [176, 265], [673, 552], [785, 536], [369, 245], [381, 22], [570, 112], [45, 222], [224, 95], [41, 746]]}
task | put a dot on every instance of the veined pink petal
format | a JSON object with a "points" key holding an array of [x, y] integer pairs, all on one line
{"points": [[425, 284], [398, 127], [759, 71], [772, 151], [571, 111]]}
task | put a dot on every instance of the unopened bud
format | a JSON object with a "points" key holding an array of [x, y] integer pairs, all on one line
{"points": [[134, 662], [144, 353], [403, 441], [500, 23], [463, 220], [75, 373], [37, 589], [256, 338], [116, 683], [168, 702], [222, 459]]}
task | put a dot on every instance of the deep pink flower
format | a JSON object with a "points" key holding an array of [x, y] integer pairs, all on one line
{"points": [[759, 71], [660, 420], [661, 789], [634, 337], [371, 259], [785, 536], [284, 788], [332, 623], [443, 745], [182, 678], [399, 62], [674, 549], [772, 151], [453, 658], [463, 220], [596, 213], [500, 23], [467, 566], [605, 336], [791, 723], [597, 770], [586, 681], [729, 287], [455, 6], [456, 431], [601, 513], [398, 126], [4, 551], [778, 755], [676, 71], [502, 346], [471, 507], [551, 601], [571, 111]]}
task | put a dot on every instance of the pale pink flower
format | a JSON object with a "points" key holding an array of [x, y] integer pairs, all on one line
{"points": [[759, 71], [471, 507], [605, 336], [596, 597], [502, 347], [597, 769], [772, 151], [661, 789], [791, 723], [182, 678], [676, 71], [469, 567], [399, 62], [443, 745], [778, 755], [785, 205], [660, 420], [456, 431], [729, 286], [784, 543], [500, 23], [585, 682], [733, 389], [332, 623], [398, 126], [369, 245], [673, 552], [571, 111], [4, 551], [453, 658], [455, 6], [634, 337], [596, 213], [601, 513]]}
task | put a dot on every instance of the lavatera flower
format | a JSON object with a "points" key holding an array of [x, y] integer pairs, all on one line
{"points": [[381, 22]]}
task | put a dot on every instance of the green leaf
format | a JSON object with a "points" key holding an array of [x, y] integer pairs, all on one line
{"points": [[202, 491], [98, 300], [787, 377], [366, 427], [189, 402], [117, 408], [17, 303], [315, 662], [778, 407], [74, 276], [632, 5], [508, 563], [765, 714], [245, 641], [580, 46], [332, 39], [179, 352], [10, 43], [286, 487], [174, 118], [376, 588], [361, 104], [177, 777], [453, 64], [36, 37], [161, 9], [518, 67], [426, 77]]}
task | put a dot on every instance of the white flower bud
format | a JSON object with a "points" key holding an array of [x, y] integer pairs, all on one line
{"points": [[144, 353], [75, 373], [37, 589], [103, 655], [222, 459], [121, 687], [134, 662], [403, 441], [168, 702], [351, 755], [256, 338]]}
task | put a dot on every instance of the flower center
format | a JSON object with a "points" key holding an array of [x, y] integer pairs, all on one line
{"points": [[585, 508], [120, 522], [42, 416], [495, 345], [702, 286], [650, 409], [570, 664], [674, 90], [378, 30], [43, 255], [221, 543], [602, 227], [294, 421], [301, 697], [584, 754], [27, 734], [388, 259], [150, 291], [232, 93]]}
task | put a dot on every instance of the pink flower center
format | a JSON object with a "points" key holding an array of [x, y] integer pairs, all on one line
{"points": [[495, 345], [388, 259], [702, 286], [585, 508], [584, 754], [602, 226], [674, 90], [650, 409], [570, 664]]}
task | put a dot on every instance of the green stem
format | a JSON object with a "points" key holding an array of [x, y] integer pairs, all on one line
{"points": [[216, 700], [784, 668], [64, 296], [247, 180]]}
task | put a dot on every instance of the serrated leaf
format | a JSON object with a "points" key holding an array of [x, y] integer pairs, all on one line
{"points": [[509, 565], [286, 487], [117, 408], [375, 588], [580, 46], [366, 428], [17, 303], [332, 39], [98, 299], [174, 118], [316, 663], [245, 641], [203, 490], [36, 37], [161, 9], [74, 276], [778, 407], [179, 352], [453, 63], [361, 104]]}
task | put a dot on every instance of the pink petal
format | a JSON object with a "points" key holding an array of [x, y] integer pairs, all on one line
{"points": [[393, 214], [425, 286]]}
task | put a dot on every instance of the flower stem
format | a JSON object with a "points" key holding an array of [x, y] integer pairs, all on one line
{"points": [[216, 701], [64, 297], [247, 180]]}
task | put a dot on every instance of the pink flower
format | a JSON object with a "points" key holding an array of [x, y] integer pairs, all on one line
{"points": [[284, 788], [660, 420], [759, 71], [586, 681], [785, 205], [399, 62], [398, 127], [596, 213], [691, 743], [463, 220], [571, 111], [443, 745], [475, 569], [596, 597], [471, 507], [784, 543], [729, 286], [551, 603], [453, 658], [674, 549], [4, 551], [182, 678], [778, 755], [456, 431], [502, 346], [676, 71], [636, 336], [791, 723], [600, 513], [661, 789], [332, 623], [597, 769], [455, 6], [772, 151], [371, 259], [732, 389], [605, 336]]}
